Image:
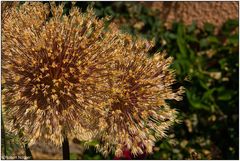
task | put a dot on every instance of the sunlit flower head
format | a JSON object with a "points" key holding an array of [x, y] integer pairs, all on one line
{"points": [[6, 8], [54, 70], [137, 114]]}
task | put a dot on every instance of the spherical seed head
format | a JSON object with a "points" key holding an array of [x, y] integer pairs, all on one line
{"points": [[53, 71], [6, 8], [137, 114]]}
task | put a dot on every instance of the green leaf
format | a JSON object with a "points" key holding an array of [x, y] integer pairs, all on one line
{"points": [[180, 40], [203, 84], [223, 63], [212, 39], [191, 38], [203, 43], [92, 143], [192, 27], [195, 102], [230, 25], [170, 35], [225, 97], [209, 27], [208, 94], [73, 156], [234, 39], [224, 94]]}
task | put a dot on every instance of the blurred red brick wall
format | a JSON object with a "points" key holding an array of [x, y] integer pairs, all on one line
{"points": [[213, 12]]}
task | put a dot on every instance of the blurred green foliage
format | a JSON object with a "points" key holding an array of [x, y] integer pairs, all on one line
{"points": [[206, 64]]}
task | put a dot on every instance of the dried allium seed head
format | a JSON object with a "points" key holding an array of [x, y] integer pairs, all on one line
{"points": [[137, 114], [54, 72], [29, 14], [6, 8]]}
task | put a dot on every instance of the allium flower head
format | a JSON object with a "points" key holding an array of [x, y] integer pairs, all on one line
{"points": [[54, 70], [6, 8], [137, 114]]}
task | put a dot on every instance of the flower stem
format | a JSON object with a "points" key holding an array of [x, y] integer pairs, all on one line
{"points": [[3, 136], [28, 151], [65, 149]]}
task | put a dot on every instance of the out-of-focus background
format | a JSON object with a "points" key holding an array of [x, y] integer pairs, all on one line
{"points": [[203, 37]]}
